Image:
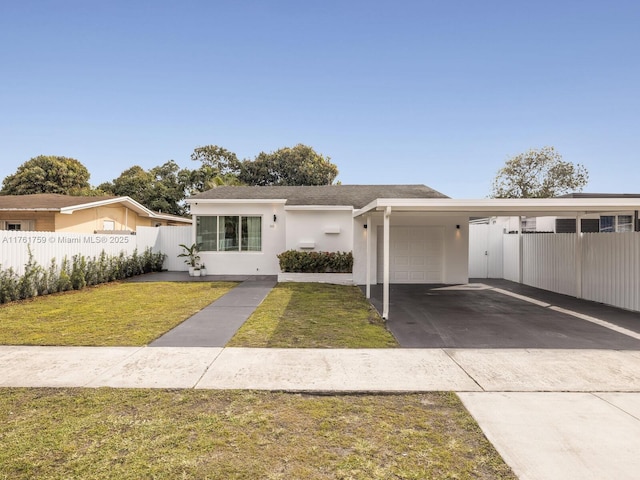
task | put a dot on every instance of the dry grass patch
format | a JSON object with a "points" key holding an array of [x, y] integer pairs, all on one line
{"points": [[314, 315], [113, 314], [132, 434]]}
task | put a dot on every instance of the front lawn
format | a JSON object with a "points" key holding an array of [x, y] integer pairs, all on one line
{"points": [[161, 434], [112, 314], [314, 315]]}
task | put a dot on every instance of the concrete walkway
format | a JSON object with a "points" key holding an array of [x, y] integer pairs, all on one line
{"points": [[551, 414], [214, 325]]}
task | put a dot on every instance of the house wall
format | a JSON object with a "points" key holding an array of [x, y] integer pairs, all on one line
{"points": [[456, 245], [327, 231], [44, 221], [92, 219], [246, 263]]}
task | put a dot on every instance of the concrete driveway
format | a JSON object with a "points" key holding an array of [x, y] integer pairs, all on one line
{"points": [[503, 314]]}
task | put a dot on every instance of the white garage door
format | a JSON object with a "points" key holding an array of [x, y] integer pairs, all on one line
{"points": [[415, 254]]}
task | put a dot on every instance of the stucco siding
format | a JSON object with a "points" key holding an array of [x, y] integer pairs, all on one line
{"points": [[93, 219], [264, 262], [320, 231], [455, 245], [44, 221]]}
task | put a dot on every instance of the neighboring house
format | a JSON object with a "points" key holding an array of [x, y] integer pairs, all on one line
{"points": [[622, 221], [49, 212], [397, 233]]}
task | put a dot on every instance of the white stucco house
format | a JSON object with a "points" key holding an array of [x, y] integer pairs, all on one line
{"points": [[242, 229], [397, 233]]}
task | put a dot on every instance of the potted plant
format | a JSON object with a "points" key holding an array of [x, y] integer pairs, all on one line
{"points": [[190, 254], [203, 270]]}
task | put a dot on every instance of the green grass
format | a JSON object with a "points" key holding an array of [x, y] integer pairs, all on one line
{"points": [[114, 314], [314, 315], [185, 434]]}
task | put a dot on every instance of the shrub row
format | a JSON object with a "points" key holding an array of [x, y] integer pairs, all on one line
{"points": [[316, 262], [74, 274]]}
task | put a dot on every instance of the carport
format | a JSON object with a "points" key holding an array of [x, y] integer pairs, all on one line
{"points": [[387, 212], [498, 314]]}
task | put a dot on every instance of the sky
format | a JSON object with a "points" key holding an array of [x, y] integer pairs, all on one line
{"points": [[439, 93]]}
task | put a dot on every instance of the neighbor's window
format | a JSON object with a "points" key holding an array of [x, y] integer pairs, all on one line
{"points": [[621, 223], [607, 223], [625, 223], [229, 233]]}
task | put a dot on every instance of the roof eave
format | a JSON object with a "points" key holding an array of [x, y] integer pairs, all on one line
{"points": [[504, 207]]}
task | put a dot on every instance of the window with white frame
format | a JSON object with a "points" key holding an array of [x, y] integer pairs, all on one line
{"points": [[17, 225], [229, 233], [529, 224], [616, 223]]}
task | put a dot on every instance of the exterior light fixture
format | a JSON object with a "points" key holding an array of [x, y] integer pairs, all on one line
{"points": [[458, 227], [274, 218]]}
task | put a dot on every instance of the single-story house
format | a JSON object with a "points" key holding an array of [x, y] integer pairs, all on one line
{"points": [[619, 222], [397, 233], [50, 212]]}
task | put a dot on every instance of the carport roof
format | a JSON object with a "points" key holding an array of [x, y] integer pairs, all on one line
{"points": [[534, 207]]}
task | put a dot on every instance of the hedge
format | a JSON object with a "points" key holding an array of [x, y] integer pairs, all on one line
{"points": [[74, 274], [316, 262]]}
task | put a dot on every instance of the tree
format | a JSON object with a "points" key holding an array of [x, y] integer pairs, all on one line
{"points": [[161, 188], [219, 167], [48, 174], [220, 160], [299, 165], [538, 174]]}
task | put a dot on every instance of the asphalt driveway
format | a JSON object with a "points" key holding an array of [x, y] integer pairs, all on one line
{"points": [[501, 314]]}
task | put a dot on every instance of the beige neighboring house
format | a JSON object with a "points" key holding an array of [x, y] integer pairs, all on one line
{"points": [[50, 212]]}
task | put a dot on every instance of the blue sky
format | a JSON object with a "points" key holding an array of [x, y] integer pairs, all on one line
{"points": [[434, 92]]}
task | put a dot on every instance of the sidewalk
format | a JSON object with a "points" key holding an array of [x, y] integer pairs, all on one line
{"points": [[551, 414]]}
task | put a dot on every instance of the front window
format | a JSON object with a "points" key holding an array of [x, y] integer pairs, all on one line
{"points": [[229, 233]]}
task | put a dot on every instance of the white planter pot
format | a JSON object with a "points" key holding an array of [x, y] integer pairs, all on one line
{"points": [[196, 272], [191, 270]]}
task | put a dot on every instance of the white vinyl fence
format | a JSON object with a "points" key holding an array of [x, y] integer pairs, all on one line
{"points": [[605, 266], [166, 240], [48, 246]]}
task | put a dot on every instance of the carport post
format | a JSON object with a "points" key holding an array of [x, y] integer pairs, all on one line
{"points": [[385, 286], [578, 255], [520, 251], [368, 234]]}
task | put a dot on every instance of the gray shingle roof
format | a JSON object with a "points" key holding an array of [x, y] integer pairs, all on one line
{"points": [[45, 201], [355, 195]]}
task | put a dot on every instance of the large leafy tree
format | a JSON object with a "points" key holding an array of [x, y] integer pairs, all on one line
{"points": [[219, 167], [161, 188], [538, 174], [48, 174], [299, 165]]}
